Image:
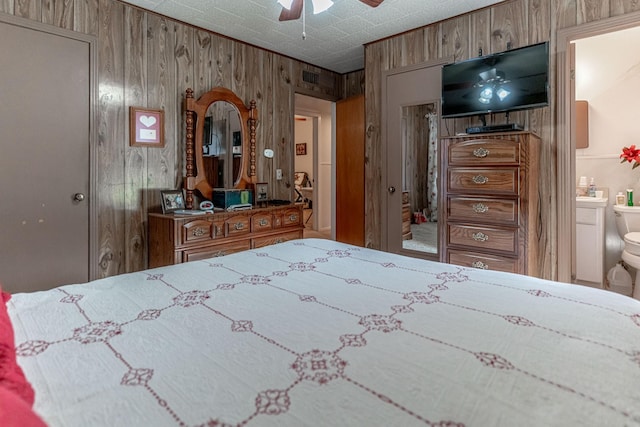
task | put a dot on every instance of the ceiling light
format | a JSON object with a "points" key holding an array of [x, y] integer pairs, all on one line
{"points": [[321, 5], [285, 3]]}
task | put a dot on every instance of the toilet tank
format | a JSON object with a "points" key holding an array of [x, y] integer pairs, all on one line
{"points": [[627, 218]]}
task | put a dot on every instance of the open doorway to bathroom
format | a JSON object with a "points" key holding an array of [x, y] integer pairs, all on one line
{"points": [[313, 164], [609, 91], [608, 88]]}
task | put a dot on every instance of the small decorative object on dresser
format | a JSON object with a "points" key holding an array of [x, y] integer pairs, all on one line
{"points": [[491, 201], [172, 200]]}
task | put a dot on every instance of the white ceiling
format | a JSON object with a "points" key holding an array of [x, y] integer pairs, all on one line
{"points": [[335, 38]]}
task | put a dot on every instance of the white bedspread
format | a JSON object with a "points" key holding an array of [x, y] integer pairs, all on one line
{"points": [[316, 333]]}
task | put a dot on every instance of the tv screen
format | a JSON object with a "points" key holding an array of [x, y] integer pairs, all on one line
{"points": [[516, 79]]}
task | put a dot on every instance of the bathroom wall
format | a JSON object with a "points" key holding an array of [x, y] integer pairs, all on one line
{"points": [[608, 77]]}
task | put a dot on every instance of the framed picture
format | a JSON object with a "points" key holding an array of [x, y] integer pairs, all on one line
{"points": [[172, 200], [146, 127], [301, 149]]}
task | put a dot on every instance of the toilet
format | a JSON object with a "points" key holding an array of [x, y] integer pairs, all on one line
{"points": [[628, 226]]}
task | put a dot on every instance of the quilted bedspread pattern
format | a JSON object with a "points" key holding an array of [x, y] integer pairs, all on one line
{"points": [[318, 333]]}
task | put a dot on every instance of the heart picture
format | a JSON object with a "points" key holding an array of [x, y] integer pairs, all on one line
{"points": [[148, 121], [146, 127]]}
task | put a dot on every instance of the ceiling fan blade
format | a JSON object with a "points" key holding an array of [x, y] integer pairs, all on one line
{"points": [[293, 13], [372, 3]]}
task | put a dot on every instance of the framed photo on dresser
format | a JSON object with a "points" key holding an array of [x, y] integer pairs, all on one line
{"points": [[172, 200]]}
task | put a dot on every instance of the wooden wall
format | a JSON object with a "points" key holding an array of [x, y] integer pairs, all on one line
{"points": [[149, 60], [518, 22]]}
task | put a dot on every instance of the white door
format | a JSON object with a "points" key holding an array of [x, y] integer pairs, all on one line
{"points": [[44, 161]]}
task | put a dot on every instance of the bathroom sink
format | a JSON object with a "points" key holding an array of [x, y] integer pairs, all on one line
{"points": [[591, 202]]}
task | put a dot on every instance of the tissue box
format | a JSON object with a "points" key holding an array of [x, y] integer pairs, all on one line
{"points": [[223, 198]]}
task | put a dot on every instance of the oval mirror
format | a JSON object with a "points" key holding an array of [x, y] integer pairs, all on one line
{"points": [[220, 143]]}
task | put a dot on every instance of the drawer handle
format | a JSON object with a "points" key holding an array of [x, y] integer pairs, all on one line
{"points": [[480, 264], [480, 179], [239, 226], [480, 237], [263, 222], [293, 218], [198, 231], [480, 208], [481, 153]]}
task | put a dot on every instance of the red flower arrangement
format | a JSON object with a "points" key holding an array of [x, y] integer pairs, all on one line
{"points": [[631, 154]]}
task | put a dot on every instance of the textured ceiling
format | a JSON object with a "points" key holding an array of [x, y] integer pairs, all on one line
{"points": [[335, 38]]}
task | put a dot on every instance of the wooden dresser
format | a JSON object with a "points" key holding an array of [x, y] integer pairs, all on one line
{"points": [[174, 239], [491, 204]]}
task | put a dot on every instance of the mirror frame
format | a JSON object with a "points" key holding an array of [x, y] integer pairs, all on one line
{"points": [[196, 110]]}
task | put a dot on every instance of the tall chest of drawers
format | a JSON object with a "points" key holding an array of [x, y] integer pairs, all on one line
{"points": [[491, 204]]}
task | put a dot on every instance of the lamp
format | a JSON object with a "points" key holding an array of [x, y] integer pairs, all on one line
{"points": [[321, 5], [285, 3]]}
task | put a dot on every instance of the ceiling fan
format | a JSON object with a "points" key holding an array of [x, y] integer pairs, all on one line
{"points": [[295, 7]]}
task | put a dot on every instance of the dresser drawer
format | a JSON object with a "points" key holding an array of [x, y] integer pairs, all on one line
{"points": [[495, 239], [482, 261], [291, 217], [196, 230], [484, 151], [237, 225], [503, 211], [278, 238], [215, 250], [261, 222], [217, 228], [483, 180]]}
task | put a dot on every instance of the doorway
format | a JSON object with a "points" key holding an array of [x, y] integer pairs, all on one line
{"points": [[46, 131], [567, 170], [314, 171]]}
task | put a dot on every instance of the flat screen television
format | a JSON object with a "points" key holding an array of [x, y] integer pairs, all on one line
{"points": [[516, 79]]}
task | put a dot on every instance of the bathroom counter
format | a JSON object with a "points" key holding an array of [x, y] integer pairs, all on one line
{"points": [[591, 202]]}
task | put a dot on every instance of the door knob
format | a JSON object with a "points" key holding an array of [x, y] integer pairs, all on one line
{"points": [[392, 189], [78, 197]]}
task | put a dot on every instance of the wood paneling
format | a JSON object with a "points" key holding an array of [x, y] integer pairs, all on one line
{"points": [[520, 22], [135, 168], [111, 136], [353, 84]]}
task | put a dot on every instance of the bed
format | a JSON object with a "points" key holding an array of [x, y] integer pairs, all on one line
{"points": [[318, 333]]}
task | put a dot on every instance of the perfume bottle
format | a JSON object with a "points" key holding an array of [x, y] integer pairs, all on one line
{"points": [[592, 188]]}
